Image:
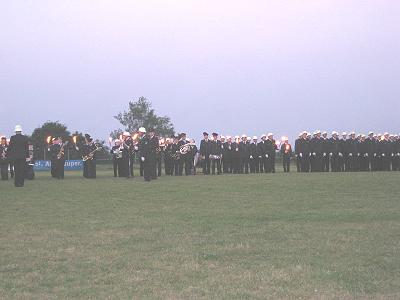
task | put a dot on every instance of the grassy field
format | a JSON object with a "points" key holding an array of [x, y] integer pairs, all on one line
{"points": [[267, 236]]}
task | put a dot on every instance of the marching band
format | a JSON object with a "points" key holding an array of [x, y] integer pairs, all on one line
{"points": [[217, 155]]}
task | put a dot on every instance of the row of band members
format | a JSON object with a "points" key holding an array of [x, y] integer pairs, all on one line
{"points": [[239, 155], [315, 153]]}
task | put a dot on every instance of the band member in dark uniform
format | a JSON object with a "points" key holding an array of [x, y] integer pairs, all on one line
{"points": [[53, 159], [57, 158], [236, 155], [245, 145], [296, 149], [262, 153], [89, 157], [286, 151], [18, 151], [116, 155], [176, 156], [271, 150], [334, 149], [194, 156], [326, 151], [3, 158], [227, 155], [185, 158], [168, 157], [205, 151], [147, 151], [160, 155], [154, 146], [254, 160], [215, 154], [304, 152], [125, 150]]}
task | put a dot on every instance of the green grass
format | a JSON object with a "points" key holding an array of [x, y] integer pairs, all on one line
{"points": [[277, 236]]}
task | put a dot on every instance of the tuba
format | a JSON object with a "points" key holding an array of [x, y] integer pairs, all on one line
{"points": [[186, 148]]}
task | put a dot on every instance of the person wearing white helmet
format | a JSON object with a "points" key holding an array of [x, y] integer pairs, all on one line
{"points": [[325, 152], [18, 152], [262, 153], [227, 155], [352, 145], [334, 150], [343, 153], [303, 152], [254, 160]]}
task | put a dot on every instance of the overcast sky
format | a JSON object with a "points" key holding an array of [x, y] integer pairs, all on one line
{"points": [[228, 66]]}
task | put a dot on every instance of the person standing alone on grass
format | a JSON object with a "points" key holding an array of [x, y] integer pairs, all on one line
{"points": [[18, 152]]}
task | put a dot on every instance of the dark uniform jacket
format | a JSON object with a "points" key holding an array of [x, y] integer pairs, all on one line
{"points": [[18, 147]]}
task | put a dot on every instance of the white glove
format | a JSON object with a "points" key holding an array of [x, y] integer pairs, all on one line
{"points": [[77, 149], [266, 155], [374, 154], [383, 154], [301, 154], [142, 158], [324, 154], [330, 154], [27, 159], [340, 154], [314, 154], [398, 154], [136, 148], [309, 155], [358, 154], [366, 154], [392, 154], [251, 156], [237, 149], [350, 154]]}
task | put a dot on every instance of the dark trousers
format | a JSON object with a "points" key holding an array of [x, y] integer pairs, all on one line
{"points": [[19, 169], [59, 170], [335, 163], [216, 163], [158, 166], [245, 165], [131, 163], [53, 168], [176, 167], [206, 165], [254, 165], [147, 170], [286, 163], [168, 166], [89, 168], [115, 166], [325, 163], [305, 163], [4, 170], [141, 169], [227, 165]]}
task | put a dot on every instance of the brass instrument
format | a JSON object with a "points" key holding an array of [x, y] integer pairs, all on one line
{"points": [[90, 155], [61, 152], [186, 148]]}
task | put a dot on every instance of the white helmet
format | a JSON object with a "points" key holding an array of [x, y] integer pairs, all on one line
{"points": [[18, 128]]}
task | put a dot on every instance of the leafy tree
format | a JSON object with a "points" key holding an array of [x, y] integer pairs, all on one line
{"points": [[141, 114]]}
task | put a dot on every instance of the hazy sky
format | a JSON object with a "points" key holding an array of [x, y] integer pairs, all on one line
{"points": [[228, 66]]}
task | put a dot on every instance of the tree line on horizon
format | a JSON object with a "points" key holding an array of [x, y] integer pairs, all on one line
{"points": [[139, 114]]}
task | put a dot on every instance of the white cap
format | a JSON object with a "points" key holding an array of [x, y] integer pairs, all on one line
{"points": [[255, 137], [222, 137], [335, 132], [126, 133], [344, 133], [243, 135], [249, 138], [285, 138], [317, 132], [386, 133], [142, 130], [18, 128], [369, 133], [270, 134], [263, 135], [351, 133], [228, 137], [116, 141], [236, 137], [324, 133]]}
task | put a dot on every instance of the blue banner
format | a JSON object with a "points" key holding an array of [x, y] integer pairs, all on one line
{"points": [[70, 165]]}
